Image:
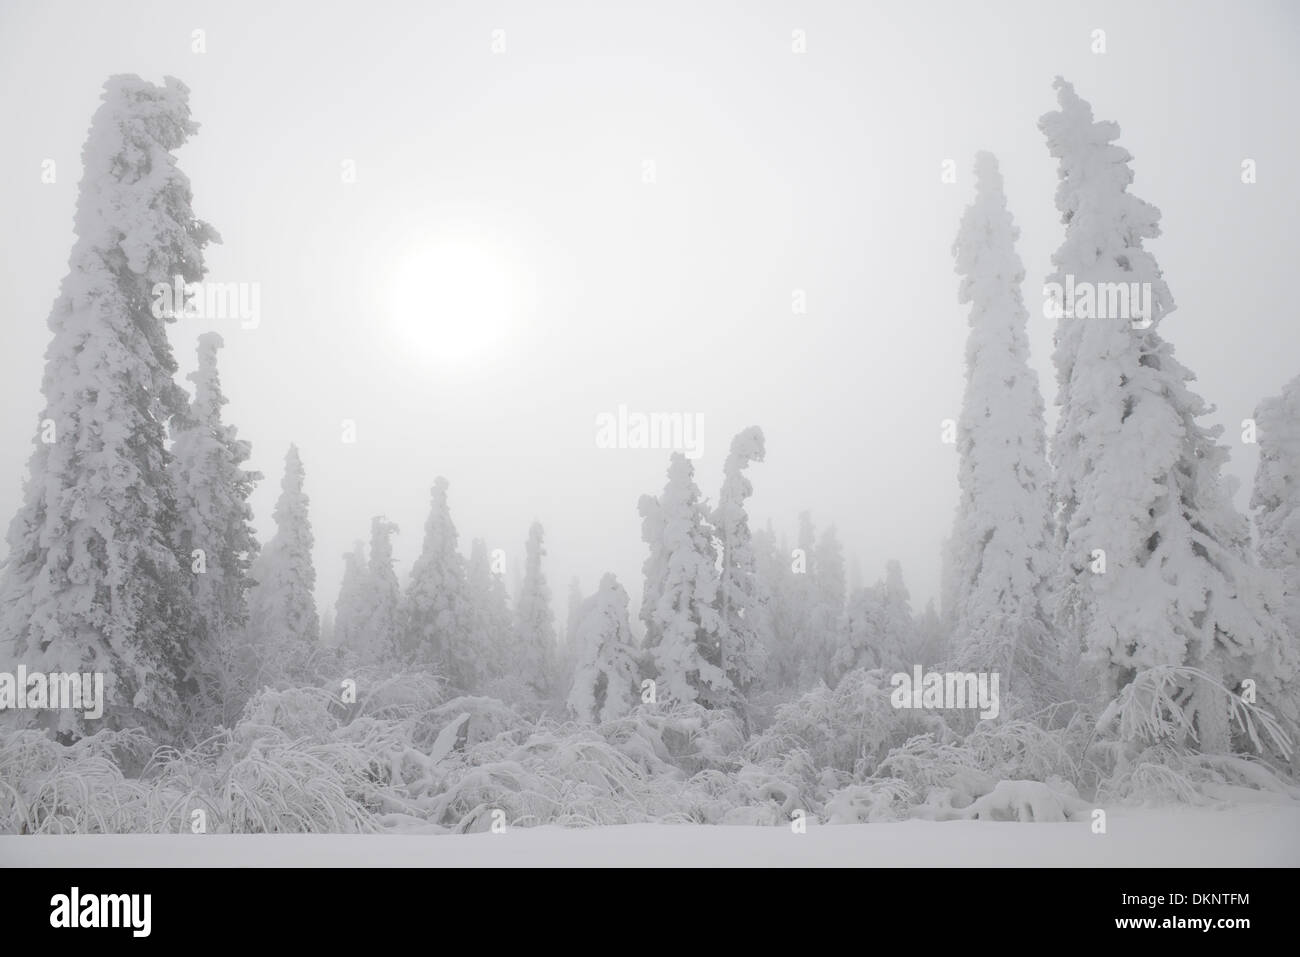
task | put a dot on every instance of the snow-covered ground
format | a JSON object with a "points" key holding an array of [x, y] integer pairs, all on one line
{"points": [[1244, 836]]}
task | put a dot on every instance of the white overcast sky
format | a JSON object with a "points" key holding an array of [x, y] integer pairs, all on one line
{"points": [[774, 172]]}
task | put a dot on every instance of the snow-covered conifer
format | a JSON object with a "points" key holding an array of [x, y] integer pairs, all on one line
{"points": [[739, 595], [215, 533], [92, 582], [1276, 495], [879, 631], [490, 639], [822, 619], [434, 611], [684, 616], [605, 678], [1003, 536], [654, 569], [1155, 564], [1276, 500], [350, 607], [384, 594], [284, 627], [535, 640]]}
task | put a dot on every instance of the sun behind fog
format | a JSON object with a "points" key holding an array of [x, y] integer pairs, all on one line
{"points": [[453, 301]]}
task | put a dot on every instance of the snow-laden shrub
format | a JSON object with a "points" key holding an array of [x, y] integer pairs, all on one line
{"points": [[281, 785], [296, 712], [849, 728], [1027, 801], [1166, 774], [939, 775], [400, 695], [1145, 745], [49, 788], [404, 758], [488, 718], [883, 799], [514, 691], [1154, 708], [1020, 749], [685, 737], [568, 776]]}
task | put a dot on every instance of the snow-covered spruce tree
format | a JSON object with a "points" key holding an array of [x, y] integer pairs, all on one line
{"points": [[284, 627], [215, 532], [776, 618], [350, 606], [654, 571], [366, 614], [573, 616], [1276, 500], [739, 594], [1276, 496], [684, 616], [820, 631], [535, 638], [949, 576], [830, 579], [1003, 535], [490, 639], [879, 631], [807, 640], [931, 639], [433, 610], [898, 610], [605, 679], [1138, 479], [384, 595], [92, 582]]}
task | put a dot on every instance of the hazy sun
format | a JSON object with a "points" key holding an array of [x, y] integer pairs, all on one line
{"points": [[454, 301]]}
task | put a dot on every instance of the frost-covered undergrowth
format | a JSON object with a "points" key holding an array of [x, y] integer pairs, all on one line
{"points": [[409, 757]]}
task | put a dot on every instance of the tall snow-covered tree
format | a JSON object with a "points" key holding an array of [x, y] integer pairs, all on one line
{"points": [[1138, 477], [1276, 500], [366, 614], [898, 602], [684, 616], [327, 637], [879, 631], [1003, 536], [654, 571], [535, 640], [739, 594], [490, 634], [949, 576], [605, 678], [384, 594], [822, 619], [215, 533], [931, 638], [92, 582], [434, 610], [776, 620], [566, 656], [1276, 496], [283, 623], [573, 615], [351, 606]]}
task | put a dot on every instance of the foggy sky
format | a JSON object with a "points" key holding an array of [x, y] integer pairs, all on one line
{"points": [[774, 171]]}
